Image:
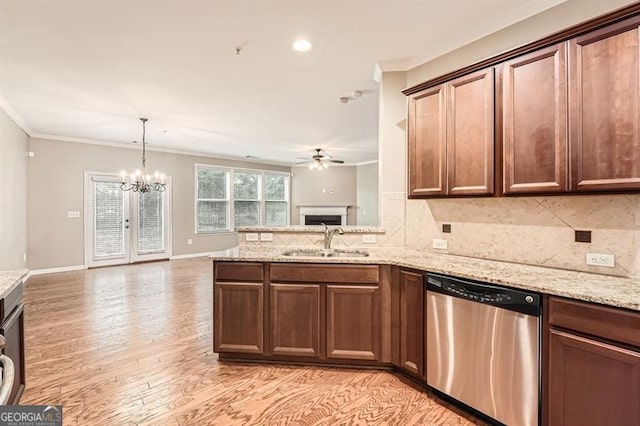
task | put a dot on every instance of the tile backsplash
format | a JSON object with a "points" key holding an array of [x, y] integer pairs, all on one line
{"points": [[532, 230]]}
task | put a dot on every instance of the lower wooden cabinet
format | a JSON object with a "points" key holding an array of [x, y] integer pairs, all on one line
{"points": [[592, 383], [353, 322], [238, 318], [12, 329], [295, 319], [411, 323]]}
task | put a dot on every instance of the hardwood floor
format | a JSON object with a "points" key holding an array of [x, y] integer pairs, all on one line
{"points": [[133, 345]]}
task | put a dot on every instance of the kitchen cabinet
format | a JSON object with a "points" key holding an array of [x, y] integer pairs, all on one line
{"points": [[411, 323], [353, 322], [427, 142], [238, 317], [12, 328], [451, 138], [593, 365], [295, 319], [534, 117], [604, 104]]}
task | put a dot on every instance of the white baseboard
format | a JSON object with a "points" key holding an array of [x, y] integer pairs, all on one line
{"points": [[54, 270], [190, 255]]}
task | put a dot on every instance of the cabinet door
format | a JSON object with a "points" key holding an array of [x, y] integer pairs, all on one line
{"points": [[534, 108], [295, 319], [592, 383], [353, 322], [604, 107], [412, 323], [13, 331], [238, 318], [427, 139], [470, 141]]}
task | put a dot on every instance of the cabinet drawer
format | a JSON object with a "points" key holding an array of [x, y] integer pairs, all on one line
{"points": [[238, 271], [602, 321], [353, 274], [10, 301]]}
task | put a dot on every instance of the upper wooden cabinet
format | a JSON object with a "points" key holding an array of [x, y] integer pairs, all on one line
{"points": [[604, 106], [451, 141], [534, 108], [427, 142], [470, 144]]}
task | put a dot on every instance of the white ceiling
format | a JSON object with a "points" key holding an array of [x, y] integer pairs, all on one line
{"points": [[89, 69]]}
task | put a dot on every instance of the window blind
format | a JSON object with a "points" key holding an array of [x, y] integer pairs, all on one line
{"points": [[151, 236], [108, 219]]}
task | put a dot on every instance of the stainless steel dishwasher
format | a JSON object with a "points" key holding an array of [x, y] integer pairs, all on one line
{"points": [[483, 347]]}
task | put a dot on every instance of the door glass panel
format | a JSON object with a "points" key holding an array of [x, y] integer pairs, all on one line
{"points": [[151, 222], [108, 220]]}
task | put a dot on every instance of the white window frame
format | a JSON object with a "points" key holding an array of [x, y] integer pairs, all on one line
{"points": [[231, 199]]}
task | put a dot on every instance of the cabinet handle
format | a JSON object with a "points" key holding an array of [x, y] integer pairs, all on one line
{"points": [[8, 372]]}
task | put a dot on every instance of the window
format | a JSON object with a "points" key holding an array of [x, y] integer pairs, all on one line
{"points": [[228, 198], [212, 209]]}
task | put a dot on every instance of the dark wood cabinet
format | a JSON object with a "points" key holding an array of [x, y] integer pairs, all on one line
{"points": [[604, 105], [592, 383], [12, 329], [451, 138], [295, 319], [238, 317], [593, 365], [470, 136], [427, 142], [353, 322], [534, 119], [411, 323]]}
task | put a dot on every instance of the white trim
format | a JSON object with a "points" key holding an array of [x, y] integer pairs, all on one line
{"points": [[188, 256], [56, 270], [160, 149], [7, 108]]}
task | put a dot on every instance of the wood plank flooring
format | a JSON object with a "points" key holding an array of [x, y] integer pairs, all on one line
{"points": [[132, 344]]}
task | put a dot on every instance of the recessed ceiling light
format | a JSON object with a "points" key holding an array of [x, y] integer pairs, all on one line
{"points": [[301, 45]]}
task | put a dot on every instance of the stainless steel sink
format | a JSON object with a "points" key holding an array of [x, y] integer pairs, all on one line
{"points": [[325, 253]]}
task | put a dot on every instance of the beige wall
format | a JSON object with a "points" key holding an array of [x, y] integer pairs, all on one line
{"points": [[367, 194], [313, 188], [13, 194], [56, 182], [531, 230]]}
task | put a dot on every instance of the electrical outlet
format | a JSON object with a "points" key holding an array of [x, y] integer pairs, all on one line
{"points": [[369, 239], [73, 214], [189, 241], [24, 257], [251, 236], [439, 244], [266, 236], [599, 259]]}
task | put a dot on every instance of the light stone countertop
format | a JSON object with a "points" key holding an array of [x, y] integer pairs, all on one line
{"points": [[10, 279], [311, 229], [604, 289]]}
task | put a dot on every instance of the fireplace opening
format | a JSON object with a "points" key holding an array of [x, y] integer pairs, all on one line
{"points": [[319, 219]]}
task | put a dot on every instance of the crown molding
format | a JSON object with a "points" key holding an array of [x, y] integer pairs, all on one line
{"points": [[8, 109]]}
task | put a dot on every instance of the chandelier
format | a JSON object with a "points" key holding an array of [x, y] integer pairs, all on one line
{"points": [[140, 180]]}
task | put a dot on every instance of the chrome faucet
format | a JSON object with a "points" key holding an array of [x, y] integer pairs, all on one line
{"points": [[328, 235]]}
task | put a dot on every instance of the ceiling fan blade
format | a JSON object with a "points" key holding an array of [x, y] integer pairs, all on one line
{"points": [[302, 162], [336, 161]]}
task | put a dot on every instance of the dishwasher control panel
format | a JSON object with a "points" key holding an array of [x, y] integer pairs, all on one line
{"points": [[512, 299]]}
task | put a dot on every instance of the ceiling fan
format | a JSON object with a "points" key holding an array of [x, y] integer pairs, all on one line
{"points": [[319, 161]]}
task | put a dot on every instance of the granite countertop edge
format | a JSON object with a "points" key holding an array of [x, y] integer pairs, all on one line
{"points": [[9, 279], [603, 289], [311, 229]]}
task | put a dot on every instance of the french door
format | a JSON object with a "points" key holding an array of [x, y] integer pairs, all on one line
{"points": [[122, 226]]}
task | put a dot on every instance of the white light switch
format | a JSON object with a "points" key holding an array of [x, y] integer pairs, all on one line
{"points": [[251, 236], [73, 214], [369, 239], [599, 259], [439, 244], [189, 241], [266, 236]]}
